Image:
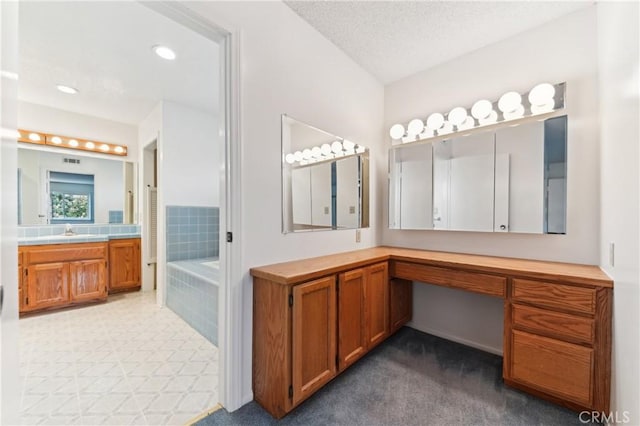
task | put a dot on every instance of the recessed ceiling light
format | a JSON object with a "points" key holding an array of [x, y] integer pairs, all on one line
{"points": [[67, 89], [164, 52]]}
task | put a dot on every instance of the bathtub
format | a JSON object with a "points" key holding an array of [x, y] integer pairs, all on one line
{"points": [[192, 293]]}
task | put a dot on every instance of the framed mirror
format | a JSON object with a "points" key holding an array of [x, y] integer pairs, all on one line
{"points": [[325, 180], [59, 187], [510, 179]]}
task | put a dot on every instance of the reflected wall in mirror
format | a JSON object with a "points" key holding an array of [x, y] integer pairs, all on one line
{"points": [[512, 179], [325, 180], [58, 187]]}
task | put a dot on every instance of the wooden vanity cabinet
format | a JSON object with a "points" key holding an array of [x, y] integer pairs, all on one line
{"points": [[308, 332], [124, 265], [558, 342], [21, 293], [59, 275]]}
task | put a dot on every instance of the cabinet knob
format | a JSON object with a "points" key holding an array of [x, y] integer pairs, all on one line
{"points": [[503, 227]]}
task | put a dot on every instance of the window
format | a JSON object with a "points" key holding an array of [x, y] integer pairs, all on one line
{"points": [[71, 196]]}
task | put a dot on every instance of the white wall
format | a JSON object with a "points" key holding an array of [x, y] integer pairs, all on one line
{"points": [[189, 156], [288, 67], [562, 50], [51, 120], [107, 174], [619, 70]]}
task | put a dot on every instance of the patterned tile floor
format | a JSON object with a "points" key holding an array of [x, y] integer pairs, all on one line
{"points": [[122, 362]]}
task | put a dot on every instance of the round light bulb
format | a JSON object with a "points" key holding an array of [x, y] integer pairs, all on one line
{"points": [[316, 152], [336, 147], [541, 109], [509, 102], [468, 123], [396, 131], [306, 153], [446, 128], [298, 155], [290, 158], [492, 118], [325, 149], [34, 137], [481, 109], [457, 116], [89, 145], [542, 94], [415, 127], [348, 145], [519, 112], [56, 140], [104, 147], [73, 143], [435, 121], [118, 149]]}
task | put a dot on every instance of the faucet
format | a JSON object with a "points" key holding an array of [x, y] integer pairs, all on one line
{"points": [[68, 230]]}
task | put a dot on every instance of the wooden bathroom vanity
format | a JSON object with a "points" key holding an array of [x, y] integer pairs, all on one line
{"points": [[315, 317]]}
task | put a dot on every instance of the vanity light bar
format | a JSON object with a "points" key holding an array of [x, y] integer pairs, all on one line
{"points": [[316, 154], [544, 98], [40, 138]]}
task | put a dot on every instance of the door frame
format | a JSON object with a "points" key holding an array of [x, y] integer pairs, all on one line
{"points": [[230, 300], [9, 363]]}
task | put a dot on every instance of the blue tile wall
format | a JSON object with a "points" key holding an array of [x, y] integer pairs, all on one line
{"points": [[192, 232], [100, 229], [116, 216], [195, 300]]}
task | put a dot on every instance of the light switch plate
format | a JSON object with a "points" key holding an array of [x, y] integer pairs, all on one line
{"points": [[357, 235], [612, 253]]}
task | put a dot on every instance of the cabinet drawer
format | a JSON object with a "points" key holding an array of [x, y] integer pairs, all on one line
{"points": [[556, 324], [558, 368], [558, 296], [479, 283], [66, 252]]}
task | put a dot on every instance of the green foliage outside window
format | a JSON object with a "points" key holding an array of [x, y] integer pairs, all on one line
{"points": [[70, 206]]}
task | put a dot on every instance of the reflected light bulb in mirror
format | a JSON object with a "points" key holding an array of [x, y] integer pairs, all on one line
{"points": [[542, 94], [306, 153], [316, 152], [481, 109], [519, 112], [446, 128], [509, 102], [348, 145], [325, 149], [492, 118], [415, 127], [298, 155], [457, 116], [541, 109], [336, 147], [467, 124], [290, 158], [396, 131], [435, 121]]}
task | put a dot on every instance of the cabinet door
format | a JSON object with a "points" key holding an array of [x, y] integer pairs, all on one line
{"points": [[377, 303], [352, 341], [47, 285], [314, 336], [400, 303], [124, 264], [559, 368], [88, 279]]}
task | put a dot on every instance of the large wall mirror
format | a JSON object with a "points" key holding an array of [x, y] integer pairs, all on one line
{"points": [[511, 179], [58, 187], [325, 180]]}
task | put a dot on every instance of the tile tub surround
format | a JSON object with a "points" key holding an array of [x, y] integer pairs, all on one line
{"points": [[53, 234], [126, 361], [192, 293], [192, 232]]}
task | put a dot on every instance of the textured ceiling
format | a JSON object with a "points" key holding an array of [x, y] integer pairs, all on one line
{"points": [[104, 50], [395, 39]]}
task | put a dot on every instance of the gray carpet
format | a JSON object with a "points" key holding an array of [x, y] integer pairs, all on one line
{"points": [[414, 379]]}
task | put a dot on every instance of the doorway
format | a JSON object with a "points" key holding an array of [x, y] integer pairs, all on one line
{"points": [[161, 225]]}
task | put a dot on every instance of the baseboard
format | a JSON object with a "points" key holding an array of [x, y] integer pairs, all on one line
{"points": [[476, 345]]}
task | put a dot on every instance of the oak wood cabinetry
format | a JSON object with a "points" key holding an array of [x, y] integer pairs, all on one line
{"points": [[124, 265], [557, 333], [59, 275], [21, 292], [307, 332]]}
